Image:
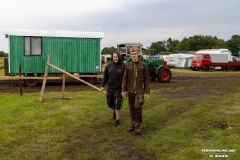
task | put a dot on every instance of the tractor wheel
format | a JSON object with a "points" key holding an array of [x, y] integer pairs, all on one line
{"points": [[91, 80], [205, 68], [230, 68], [164, 75], [30, 82]]}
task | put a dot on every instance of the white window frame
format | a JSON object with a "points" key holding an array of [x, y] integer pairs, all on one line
{"points": [[29, 44]]}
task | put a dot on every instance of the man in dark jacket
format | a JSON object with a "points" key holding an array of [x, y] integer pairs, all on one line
{"points": [[113, 75], [136, 84]]}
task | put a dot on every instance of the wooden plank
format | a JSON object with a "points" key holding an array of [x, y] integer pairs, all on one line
{"points": [[77, 78], [97, 76], [18, 77], [45, 78], [41, 78]]}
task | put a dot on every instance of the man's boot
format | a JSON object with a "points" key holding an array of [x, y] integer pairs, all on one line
{"points": [[131, 128], [117, 123], [137, 129]]}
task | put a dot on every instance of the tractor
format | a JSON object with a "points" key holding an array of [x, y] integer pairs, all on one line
{"points": [[157, 69]]}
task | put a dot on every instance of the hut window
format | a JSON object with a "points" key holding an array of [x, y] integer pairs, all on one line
{"points": [[33, 46]]}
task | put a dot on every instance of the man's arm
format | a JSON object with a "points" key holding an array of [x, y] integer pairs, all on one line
{"points": [[124, 81], [105, 77]]}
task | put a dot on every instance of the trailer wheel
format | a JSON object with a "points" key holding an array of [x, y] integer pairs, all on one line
{"points": [[164, 75], [30, 82], [91, 80], [205, 67], [230, 68]]}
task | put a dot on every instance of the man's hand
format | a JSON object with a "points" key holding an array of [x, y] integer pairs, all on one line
{"points": [[146, 95], [124, 94], [102, 88]]}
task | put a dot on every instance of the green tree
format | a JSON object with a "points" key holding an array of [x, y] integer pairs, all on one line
{"points": [[172, 45], [234, 44], [108, 50], [197, 42], [3, 54], [145, 51], [182, 46], [157, 47]]}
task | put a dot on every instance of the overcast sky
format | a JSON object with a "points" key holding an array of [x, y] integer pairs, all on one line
{"points": [[143, 21]]}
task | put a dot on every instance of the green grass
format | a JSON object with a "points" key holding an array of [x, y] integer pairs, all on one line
{"points": [[175, 126]]}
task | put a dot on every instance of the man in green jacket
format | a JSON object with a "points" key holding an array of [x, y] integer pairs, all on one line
{"points": [[136, 84]]}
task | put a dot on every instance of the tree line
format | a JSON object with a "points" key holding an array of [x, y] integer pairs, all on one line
{"points": [[3, 54], [193, 43]]}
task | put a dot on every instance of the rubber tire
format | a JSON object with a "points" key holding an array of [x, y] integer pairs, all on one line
{"points": [[31, 82], [205, 68], [230, 68], [164, 75], [91, 80]]}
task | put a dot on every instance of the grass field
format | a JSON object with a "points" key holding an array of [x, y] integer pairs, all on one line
{"points": [[182, 120]]}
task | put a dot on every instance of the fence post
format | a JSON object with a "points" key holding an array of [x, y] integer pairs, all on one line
{"points": [[6, 69], [63, 83], [20, 80]]}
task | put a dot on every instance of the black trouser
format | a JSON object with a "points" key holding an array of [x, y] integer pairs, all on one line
{"points": [[135, 101], [114, 98]]}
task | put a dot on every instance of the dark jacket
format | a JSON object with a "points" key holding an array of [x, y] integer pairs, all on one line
{"points": [[136, 78], [113, 73]]}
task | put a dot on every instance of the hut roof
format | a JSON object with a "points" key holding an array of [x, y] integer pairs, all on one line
{"points": [[48, 33]]}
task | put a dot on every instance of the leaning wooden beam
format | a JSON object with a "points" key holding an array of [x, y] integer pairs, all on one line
{"points": [[45, 78], [70, 75]]}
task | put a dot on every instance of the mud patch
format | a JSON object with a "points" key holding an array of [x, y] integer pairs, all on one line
{"points": [[220, 125], [131, 153]]}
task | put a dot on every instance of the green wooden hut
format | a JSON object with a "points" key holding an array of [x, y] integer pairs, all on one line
{"points": [[77, 52]]}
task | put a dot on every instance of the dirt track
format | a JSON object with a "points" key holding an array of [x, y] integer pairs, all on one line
{"points": [[197, 85], [193, 84]]}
